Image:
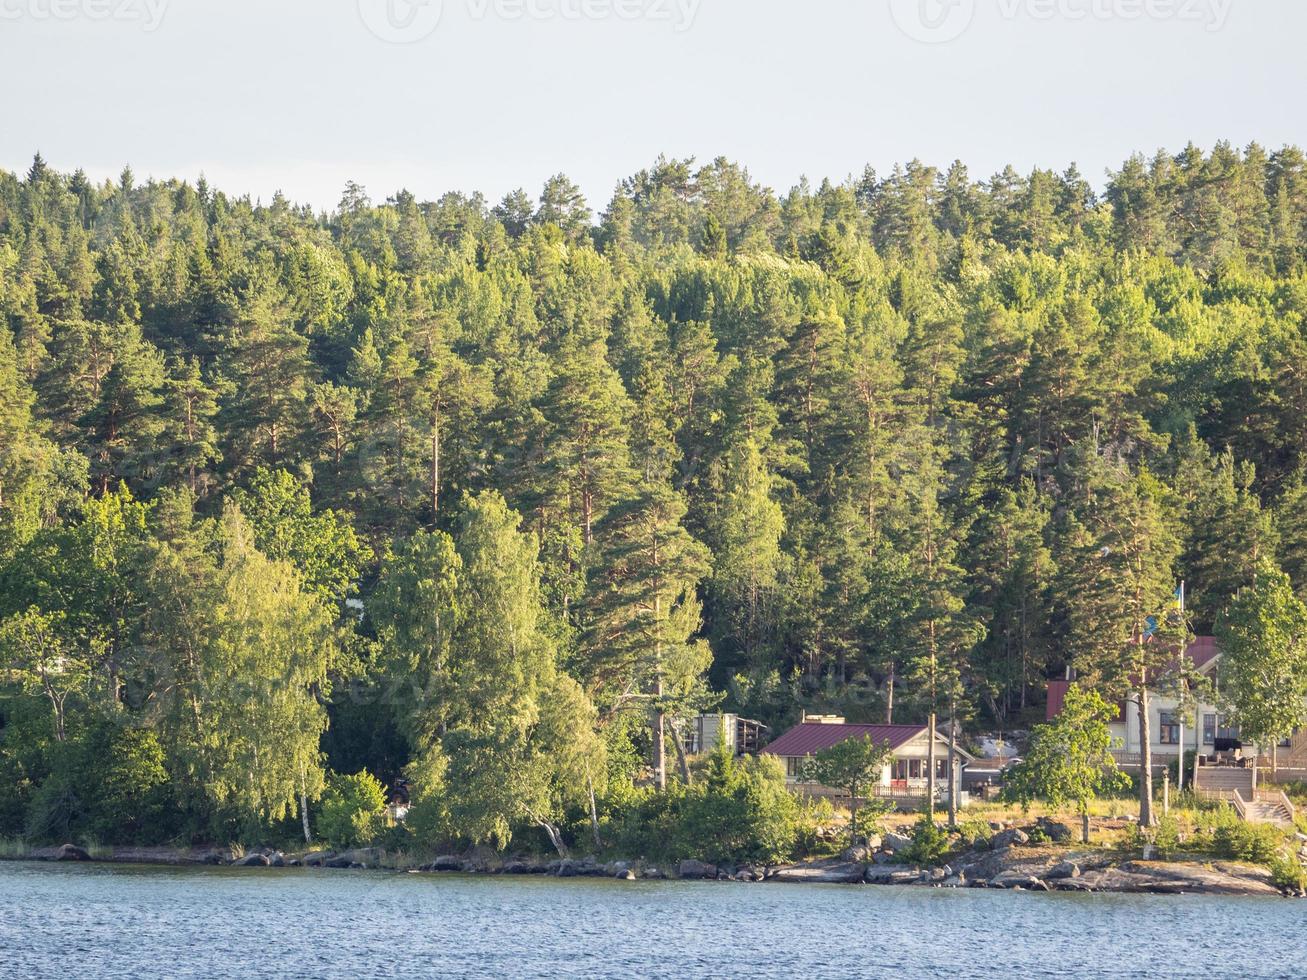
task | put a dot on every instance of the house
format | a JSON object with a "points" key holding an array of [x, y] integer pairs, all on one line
{"points": [[905, 775], [1203, 729], [743, 736]]}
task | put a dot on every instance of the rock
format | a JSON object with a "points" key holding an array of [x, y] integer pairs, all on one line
{"points": [[363, 857], [252, 861], [752, 874], [954, 881], [1063, 871], [896, 842], [627, 875], [569, 868], [653, 874], [695, 870], [891, 876], [821, 872], [1018, 879], [215, 855], [861, 853], [317, 859], [995, 826], [875, 842], [1057, 832], [64, 852], [883, 857], [617, 868], [446, 862], [1009, 838]]}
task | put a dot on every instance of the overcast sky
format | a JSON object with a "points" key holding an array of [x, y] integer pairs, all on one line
{"points": [[302, 95]]}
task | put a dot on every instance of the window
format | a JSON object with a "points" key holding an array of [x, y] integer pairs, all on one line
{"points": [[1168, 728], [1217, 726], [794, 767], [900, 769]]}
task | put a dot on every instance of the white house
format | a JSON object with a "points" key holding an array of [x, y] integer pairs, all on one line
{"points": [[905, 775], [1203, 729]]}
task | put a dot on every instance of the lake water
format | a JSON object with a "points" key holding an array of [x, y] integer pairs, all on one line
{"points": [[84, 921]]}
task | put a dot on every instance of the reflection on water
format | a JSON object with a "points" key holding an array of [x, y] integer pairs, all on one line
{"points": [[103, 921]]}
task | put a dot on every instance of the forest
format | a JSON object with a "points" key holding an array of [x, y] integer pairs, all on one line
{"points": [[493, 497]]}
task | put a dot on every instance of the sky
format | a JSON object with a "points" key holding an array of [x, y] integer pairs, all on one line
{"points": [[490, 95]]}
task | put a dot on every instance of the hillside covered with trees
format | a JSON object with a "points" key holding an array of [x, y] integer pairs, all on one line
{"points": [[491, 495]]}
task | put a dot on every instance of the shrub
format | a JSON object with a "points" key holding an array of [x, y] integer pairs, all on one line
{"points": [[975, 833], [930, 844], [351, 808], [1288, 874], [1166, 836], [741, 812], [1229, 837]]}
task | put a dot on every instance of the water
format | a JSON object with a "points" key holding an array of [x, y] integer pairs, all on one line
{"points": [[87, 921]]}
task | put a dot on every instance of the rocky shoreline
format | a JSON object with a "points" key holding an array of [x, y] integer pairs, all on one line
{"points": [[1012, 863]]}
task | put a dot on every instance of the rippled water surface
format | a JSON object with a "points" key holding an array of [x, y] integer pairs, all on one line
{"points": [[104, 921]]}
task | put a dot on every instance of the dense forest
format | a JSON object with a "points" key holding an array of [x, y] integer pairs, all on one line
{"points": [[491, 496]]}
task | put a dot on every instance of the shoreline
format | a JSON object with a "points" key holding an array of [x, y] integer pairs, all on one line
{"points": [[1010, 868]]}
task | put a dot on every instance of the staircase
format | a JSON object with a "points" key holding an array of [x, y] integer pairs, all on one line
{"points": [[1270, 806], [1223, 782]]}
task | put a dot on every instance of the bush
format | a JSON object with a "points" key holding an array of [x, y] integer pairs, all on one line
{"points": [[351, 809], [1229, 837], [1166, 836], [975, 833], [930, 844], [1288, 874], [738, 812]]}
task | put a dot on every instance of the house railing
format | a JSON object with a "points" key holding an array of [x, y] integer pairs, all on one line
{"points": [[1240, 805]]}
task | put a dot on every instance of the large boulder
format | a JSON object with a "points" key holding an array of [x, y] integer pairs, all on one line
{"points": [[821, 872], [317, 859], [64, 852], [887, 875], [1063, 871], [1009, 838], [896, 842], [696, 870], [254, 860], [446, 862], [362, 857], [1055, 830]]}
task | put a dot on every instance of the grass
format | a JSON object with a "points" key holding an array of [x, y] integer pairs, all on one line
{"points": [[12, 848]]}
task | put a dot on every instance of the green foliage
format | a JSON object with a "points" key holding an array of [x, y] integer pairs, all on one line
{"points": [[1263, 669], [1068, 760], [350, 811], [1289, 874], [1227, 835], [739, 812], [930, 845], [898, 445], [855, 765]]}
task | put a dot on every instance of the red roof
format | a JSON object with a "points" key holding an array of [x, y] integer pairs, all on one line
{"points": [[811, 737], [1202, 651]]}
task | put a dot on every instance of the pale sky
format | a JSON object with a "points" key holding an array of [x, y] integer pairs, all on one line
{"points": [[303, 95]]}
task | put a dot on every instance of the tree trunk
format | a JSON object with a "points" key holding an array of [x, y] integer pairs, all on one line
{"points": [[594, 812], [1146, 818], [681, 761], [1084, 826], [659, 740], [889, 697], [304, 807], [953, 766], [930, 766], [555, 836]]}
